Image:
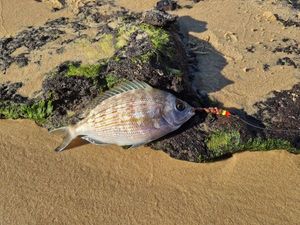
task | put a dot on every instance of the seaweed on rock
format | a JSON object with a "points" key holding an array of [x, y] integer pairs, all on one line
{"points": [[145, 47]]}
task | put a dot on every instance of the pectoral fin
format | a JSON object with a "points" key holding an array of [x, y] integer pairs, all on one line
{"points": [[92, 140]]}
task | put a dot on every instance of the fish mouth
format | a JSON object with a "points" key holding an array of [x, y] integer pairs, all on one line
{"points": [[190, 114], [194, 110]]}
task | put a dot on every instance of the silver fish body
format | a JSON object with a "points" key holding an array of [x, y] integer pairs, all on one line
{"points": [[133, 114]]}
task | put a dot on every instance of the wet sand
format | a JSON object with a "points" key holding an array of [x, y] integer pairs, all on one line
{"points": [[108, 185], [16, 15], [100, 185]]}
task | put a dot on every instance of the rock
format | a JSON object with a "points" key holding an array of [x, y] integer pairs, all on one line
{"points": [[230, 36], [251, 49], [112, 25], [280, 114], [266, 67], [246, 69], [8, 91], [270, 16], [158, 18], [32, 39], [289, 22], [286, 61], [166, 5], [55, 4], [22, 60]]}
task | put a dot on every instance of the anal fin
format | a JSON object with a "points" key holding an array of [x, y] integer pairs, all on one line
{"points": [[132, 146]]}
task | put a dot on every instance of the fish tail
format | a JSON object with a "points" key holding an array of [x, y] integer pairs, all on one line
{"points": [[69, 135]]}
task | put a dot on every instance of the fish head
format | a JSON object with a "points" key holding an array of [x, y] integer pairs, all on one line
{"points": [[176, 111]]}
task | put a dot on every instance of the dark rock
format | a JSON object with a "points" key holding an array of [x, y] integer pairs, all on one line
{"points": [[266, 67], [188, 6], [281, 115], [21, 60], [293, 3], [77, 26], [178, 144], [68, 94], [158, 18], [288, 46], [286, 61], [285, 39], [5, 61], [60, 50], [33, 38], [97, 17], [250, 49], [189, 141], [90, 11], [57, 22], [288, 22], [165, 5], [138, 46], [36, 38], [8, 91]]}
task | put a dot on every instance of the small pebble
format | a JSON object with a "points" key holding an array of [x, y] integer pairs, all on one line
{"points": [[166, 5], [269, 16]]}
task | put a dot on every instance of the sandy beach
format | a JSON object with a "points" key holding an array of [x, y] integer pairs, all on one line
{"points": [[97, 185], [109, 185]]}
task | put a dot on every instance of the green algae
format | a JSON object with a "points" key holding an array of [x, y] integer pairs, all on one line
{"points": [[160, 40], [123, 35], [259, 144], [89, 71], [90, 51], [222, 142], [106, 45], [112, 80], [37, 111], [158, 36]]}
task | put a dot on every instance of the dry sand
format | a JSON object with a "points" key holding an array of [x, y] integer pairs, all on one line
{"points": [[107, 185]]}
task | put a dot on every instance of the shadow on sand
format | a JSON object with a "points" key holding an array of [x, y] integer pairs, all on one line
{"points": [[206, 62]]}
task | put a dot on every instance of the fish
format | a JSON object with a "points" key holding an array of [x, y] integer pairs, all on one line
{"points": [[130, 114]]}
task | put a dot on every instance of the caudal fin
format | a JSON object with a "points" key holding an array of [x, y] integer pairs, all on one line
{"points": [[69, 135]]}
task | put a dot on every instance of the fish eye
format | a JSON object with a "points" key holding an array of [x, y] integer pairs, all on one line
{"points": [[180, 106]]}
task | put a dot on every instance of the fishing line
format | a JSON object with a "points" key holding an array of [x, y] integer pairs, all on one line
{"points": [[226, 113]]}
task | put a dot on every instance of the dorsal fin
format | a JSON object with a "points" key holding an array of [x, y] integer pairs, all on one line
{"points": [[124, 87], [118, 89]]}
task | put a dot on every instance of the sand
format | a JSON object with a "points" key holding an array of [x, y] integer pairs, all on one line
{"points": [[16, 15], [99, 185], [108, 185]]}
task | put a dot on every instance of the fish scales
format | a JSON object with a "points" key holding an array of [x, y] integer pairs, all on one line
{"points": [[129, 114]]}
